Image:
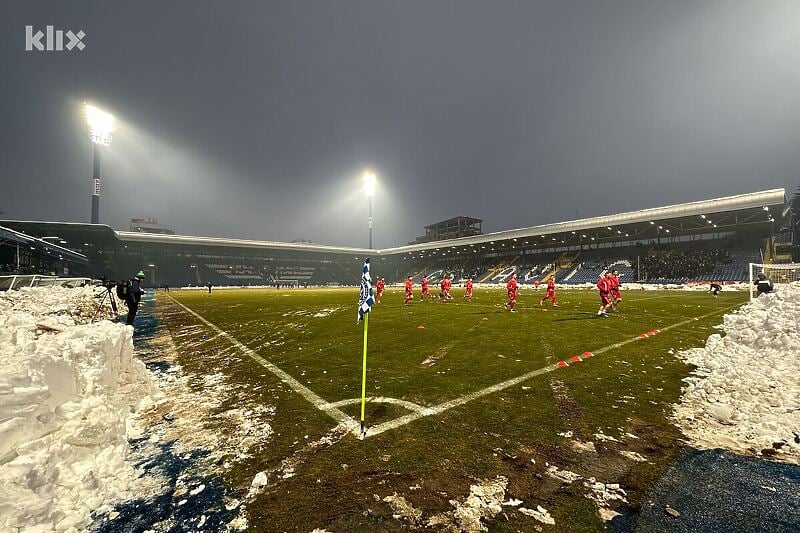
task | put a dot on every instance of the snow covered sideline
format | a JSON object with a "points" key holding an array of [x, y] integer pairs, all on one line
{"points": [[745, 394], [68, 389]]}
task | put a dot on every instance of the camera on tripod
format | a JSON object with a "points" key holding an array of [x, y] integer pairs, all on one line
{"points": [[107, 292]]}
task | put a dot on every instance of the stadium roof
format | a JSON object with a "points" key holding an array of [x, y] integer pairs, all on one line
{"points": [[42, 246], [707, 216], [130, 236]]}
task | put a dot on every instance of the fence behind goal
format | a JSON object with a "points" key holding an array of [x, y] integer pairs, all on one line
{"points": [[780, 274]]}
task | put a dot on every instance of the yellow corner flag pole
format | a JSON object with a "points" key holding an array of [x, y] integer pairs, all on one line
{"points": [[364, 375]]}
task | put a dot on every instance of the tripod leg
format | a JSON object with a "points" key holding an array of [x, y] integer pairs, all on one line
{"points": [[99, 306]]}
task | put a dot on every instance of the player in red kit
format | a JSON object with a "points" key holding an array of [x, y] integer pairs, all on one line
{"points": [[444, 294], [409, 290], [551, 292], [536, 284], [604, 286], [616, 297], [468, 290], [511, 288], [425, 290], [380, 286], [448, 287]]}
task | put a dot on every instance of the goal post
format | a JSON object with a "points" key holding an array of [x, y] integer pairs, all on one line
{"points": [[779, 274]]}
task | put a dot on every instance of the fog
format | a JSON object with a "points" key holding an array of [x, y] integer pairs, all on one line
{"points": [[256, 119]]}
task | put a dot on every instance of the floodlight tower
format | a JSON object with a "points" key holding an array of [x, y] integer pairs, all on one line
{"points": [[99, 125], [369, 190]]}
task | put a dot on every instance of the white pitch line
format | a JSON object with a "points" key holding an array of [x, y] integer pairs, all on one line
{"points": [[437, 409], [316, 400], [411, 406], [418, 411]]}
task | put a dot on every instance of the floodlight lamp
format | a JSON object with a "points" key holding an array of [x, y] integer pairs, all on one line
{"points": [[100, 124], [369, 183]]}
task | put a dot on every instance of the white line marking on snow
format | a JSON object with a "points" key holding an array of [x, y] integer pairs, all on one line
{"points": [[315, 399]]}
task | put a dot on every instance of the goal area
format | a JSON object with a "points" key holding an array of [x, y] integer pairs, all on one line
{"points": [[779, 274]]}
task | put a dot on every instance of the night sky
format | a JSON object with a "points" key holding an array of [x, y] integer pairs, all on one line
{"points": [[255, 119]]}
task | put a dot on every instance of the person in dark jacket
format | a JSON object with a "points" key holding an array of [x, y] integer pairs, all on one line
{"points": [[715, 288], [763, 284], [134, 296]]}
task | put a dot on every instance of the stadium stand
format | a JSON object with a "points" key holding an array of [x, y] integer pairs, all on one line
{"points": [[696, 241], [698, 264], [590, 270]]}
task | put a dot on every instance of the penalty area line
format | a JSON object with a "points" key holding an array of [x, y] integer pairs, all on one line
{"points": [[316, 400], [442, 407]]}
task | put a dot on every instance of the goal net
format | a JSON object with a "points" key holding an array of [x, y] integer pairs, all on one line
{"points": [[779, 274]]}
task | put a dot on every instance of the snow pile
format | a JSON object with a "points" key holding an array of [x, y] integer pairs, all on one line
{"points": [[746, 393], [67, 391]]}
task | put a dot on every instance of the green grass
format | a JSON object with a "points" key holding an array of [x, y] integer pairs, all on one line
{"points": [[476, 344]]}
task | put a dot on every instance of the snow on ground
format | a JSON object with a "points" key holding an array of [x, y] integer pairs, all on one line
{"points": [[68, 393], [540, 513], [745, 394], [485, 501]]}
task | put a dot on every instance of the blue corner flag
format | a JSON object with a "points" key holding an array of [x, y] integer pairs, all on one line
{"points": [[365, 300]]}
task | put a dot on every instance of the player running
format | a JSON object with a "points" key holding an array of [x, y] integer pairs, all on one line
{"points": [[511, 288], [616, 297], [468, 290], [425, 290], [380, 286], [551, 292], [409, 290], [604, 286]]}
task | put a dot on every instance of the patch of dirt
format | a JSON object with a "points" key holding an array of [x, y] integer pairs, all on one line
{"points": [[569, 410], [440, 353]]}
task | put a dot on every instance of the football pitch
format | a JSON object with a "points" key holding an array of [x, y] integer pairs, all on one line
{"points": [[458, 392]]}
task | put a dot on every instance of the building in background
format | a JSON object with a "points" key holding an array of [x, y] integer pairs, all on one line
{"points": [[150, 225], [452, 228]]}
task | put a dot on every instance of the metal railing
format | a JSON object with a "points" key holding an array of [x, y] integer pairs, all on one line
{"points": [[34, 280]]}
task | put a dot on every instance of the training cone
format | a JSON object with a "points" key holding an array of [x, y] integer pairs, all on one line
{"points": [[485, 318], [420, 327]]}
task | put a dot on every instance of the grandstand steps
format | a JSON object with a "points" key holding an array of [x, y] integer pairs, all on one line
{"points": [[563, 262], [493, 272]]}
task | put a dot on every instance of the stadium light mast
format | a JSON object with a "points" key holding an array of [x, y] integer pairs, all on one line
{"points": [[369, 190], [99, 125]]}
